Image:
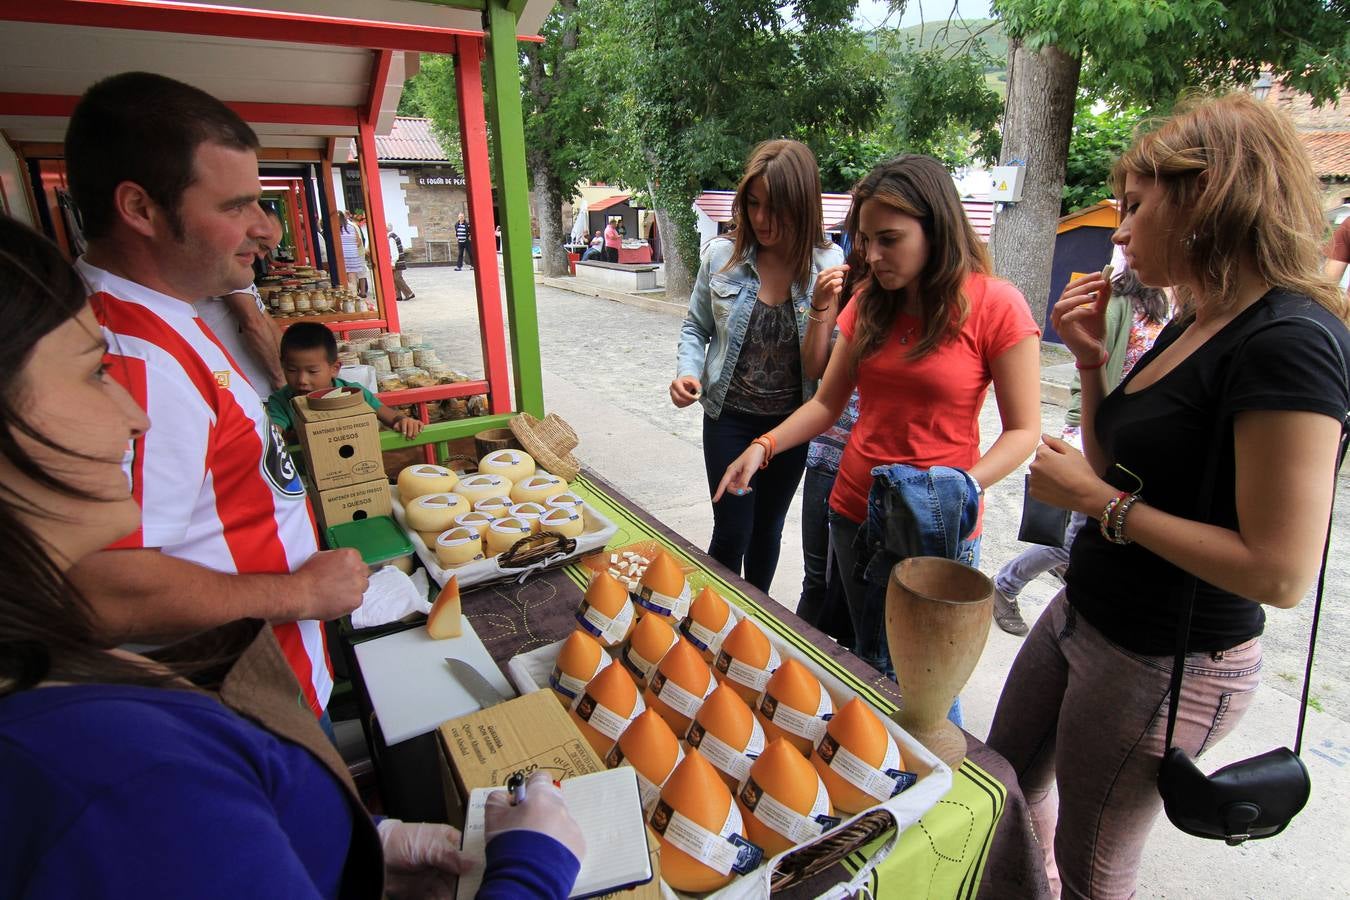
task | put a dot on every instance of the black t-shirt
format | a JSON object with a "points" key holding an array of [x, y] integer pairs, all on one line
{"points": [[1164, 434]]}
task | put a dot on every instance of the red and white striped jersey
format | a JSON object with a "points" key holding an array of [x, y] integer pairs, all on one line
{"points": [[212, 476]]}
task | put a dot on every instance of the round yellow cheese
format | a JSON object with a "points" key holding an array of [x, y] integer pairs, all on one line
{"points": [[458, 546], [496, 507], [502, 533], [529, 513], [537, 488], [435, 512], [567, 522], [475, 487], [512, 464], [567, 500], [475, 521], [424, 478]]}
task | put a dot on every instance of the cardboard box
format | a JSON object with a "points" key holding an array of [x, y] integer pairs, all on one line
{"points": [[531, 732], [352, 503], [342, 446]]}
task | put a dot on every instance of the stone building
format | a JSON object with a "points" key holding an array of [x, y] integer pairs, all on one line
{"points": [[1325, 131]]}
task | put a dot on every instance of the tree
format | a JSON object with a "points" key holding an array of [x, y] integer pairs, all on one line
{"points": [[941, 105], [1139, 51], [688, 89], [1099, 138], [431, 94]]}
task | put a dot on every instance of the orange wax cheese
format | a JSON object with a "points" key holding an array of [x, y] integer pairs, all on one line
{"points": [[854, 756], [648, 643], [663, 589], [746, 660], [651, 748], [708, 623], [694, 818], [579, 660], [783, 800], [605, 612], [794, 706], [678, 688], [605, 706], [728, 734], [445, 618]]}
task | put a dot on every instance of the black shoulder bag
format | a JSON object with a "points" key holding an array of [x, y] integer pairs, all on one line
{"points": [[1256, 797]]}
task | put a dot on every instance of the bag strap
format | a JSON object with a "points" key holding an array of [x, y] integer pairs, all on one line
{"points": [[1189, 581]]}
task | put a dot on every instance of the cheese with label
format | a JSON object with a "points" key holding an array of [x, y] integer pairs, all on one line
{"points": [[858, 759], [446, 617], [783, 800], [458, 546], [728, 734], [604, 708], [475, 521], [663, 589], [746, 660], [424, 478], [498, 507], [509, 463], [648, 643], [795, 706], [709, 622], [605, 612], [678, 688], [477, 487], [435, 512], [503, 533], [529, 513], [698, 825], [560, 520], [579, 660], [566, 500], [537, 488], [651, 748]]}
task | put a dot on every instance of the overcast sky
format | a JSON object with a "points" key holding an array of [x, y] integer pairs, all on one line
{"points": [[872, 13]]}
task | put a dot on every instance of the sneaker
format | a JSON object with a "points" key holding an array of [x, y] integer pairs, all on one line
{"points": [[1007, 615]]}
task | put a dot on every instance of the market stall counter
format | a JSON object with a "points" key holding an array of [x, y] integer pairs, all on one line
{"points": [[976, 841]]}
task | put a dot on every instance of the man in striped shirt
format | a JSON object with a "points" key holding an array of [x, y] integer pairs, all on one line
{"points": [[166, 178]]}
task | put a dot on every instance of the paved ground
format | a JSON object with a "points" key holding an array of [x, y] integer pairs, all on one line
{"points": [[606, 369]]}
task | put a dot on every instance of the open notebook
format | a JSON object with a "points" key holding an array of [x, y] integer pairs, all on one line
{"points": [[607, 807]]}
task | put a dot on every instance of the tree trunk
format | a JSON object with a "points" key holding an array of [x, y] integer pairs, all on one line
{"points": [[1037, 122], [548, 212], [679, 282]]}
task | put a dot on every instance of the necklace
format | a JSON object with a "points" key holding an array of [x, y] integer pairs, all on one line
{"points": [[904, 338]]}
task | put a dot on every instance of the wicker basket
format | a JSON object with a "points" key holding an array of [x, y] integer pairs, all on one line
{"points": [[550, 441], [486, 442], [808, 862]]}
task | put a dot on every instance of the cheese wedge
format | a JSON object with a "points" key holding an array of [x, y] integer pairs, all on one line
{"points": [[446, 617]]}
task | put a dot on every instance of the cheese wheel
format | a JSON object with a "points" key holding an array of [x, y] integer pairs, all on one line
{"points": [[678, 688], [648, 643], [795, 706], [708, 623], [859, 733], [566, 500], [424, 478], [502, 533], [651, 748], [605, 611], [560, 520], [604, 708], [746, 660], [663, 589], [728, 734], [579, 660], [458, 546], [475, 487], [499, 506], [529, 512], [512, 464], [537, 488], [435, 512], [446, 617], [695, 793], [475, 521], [782, 798]]}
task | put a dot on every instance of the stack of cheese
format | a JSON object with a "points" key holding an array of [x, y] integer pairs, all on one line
{"points": [[464, 520]]}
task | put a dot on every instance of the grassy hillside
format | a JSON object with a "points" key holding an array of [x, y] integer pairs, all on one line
{"points": [[988, 32]]}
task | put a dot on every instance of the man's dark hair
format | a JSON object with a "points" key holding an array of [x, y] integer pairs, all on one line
{"points": [[309, 336], [145, 129]]}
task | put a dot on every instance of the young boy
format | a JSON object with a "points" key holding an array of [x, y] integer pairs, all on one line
{"points": [[309, 360]]}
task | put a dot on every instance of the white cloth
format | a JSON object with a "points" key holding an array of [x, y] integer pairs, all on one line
{"points": [[362, 375], [390, 596]]}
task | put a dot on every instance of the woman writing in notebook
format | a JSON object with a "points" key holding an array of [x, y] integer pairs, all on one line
{"points": [[1215, 457], [193, 774]]}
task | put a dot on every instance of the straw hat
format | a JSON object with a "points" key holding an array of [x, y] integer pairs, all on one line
{"points": [[550, 441]]}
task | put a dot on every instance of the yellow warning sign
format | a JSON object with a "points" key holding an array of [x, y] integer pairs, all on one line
{"points": [[1003, 185]]}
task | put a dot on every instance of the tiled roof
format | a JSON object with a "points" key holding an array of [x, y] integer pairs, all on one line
{"points": [[716, 205], [1330, 152], [602, 205], [410, 139]]}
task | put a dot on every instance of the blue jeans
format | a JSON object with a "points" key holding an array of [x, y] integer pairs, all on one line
{"points": [[822, 603], [748, 531]]}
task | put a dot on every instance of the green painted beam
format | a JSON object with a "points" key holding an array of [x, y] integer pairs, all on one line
{"points": [[509, 174], [516, 7], [443, 431], [457, 4]]}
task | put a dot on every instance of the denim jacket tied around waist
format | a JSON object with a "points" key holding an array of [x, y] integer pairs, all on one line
{"points": [[916, 512], [719, 315]]}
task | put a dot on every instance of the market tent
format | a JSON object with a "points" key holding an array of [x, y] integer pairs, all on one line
{"points": [[714, 208]]}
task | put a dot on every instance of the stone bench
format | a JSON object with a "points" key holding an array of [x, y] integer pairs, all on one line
{"points": [[627, 277]]}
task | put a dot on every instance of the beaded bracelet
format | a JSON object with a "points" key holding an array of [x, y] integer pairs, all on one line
{"points": [[1105, 522], [1118, 521]]}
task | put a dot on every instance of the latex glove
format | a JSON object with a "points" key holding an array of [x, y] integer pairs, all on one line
{"points": [[421, 859], [544, 811]]}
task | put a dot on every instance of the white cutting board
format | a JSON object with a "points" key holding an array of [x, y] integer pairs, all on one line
{"points": [[412, 689]]}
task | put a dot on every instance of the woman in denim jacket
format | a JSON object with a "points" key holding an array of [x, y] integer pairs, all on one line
{"points": [[751, 349], [925, 335]]}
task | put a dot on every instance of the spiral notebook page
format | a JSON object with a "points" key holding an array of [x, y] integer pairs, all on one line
{"points": [[607, 807]]}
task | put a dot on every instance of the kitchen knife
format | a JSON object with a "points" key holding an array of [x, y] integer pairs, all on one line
{"points": [[479, 688]]}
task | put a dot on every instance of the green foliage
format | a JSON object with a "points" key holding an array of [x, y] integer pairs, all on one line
{"points": [[846, 157], [1149, 52], [557, 103], [940, 104], [431, 94], [1098, 140]]}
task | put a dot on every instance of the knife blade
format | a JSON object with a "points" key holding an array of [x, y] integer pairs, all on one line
{"points": [[469, 678]]}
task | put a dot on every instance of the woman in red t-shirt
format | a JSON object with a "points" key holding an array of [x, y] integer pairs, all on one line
{"points": [[927, 332]]}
